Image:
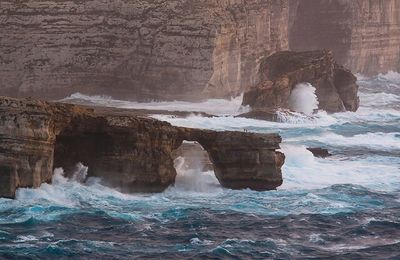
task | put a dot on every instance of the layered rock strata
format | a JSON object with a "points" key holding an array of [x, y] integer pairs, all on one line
{"points": [[181, 49], [363, 35], [129, 152], [336, 86], [145, 49]]}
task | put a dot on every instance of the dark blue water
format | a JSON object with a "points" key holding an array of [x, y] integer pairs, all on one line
{"points": [[345, 206]]}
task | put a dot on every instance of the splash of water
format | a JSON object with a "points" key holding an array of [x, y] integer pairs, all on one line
{"points": [[194, 179], [303, 99], [80, 173]]}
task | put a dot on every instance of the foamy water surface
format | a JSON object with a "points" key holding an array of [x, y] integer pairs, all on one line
{"points": [[344, 206]]}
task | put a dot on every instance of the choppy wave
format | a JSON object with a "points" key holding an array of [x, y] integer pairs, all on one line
{"points": [[343, 206], [211, 106], [74, 219]]}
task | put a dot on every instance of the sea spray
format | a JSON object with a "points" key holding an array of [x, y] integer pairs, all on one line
{"points": [[231, 106], [194, 179], [303, 99], [80, 173], [358, 187]]}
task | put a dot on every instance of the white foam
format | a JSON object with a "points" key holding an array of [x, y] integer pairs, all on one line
{"points": [[378, 99], [55, 193], [195, 179], [377, 141], [210, 106], [303, 171], [391, 76], [80, 173], [303, 99], [230, 123]]}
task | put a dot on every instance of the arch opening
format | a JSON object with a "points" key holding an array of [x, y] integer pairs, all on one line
{"points": [[195, 170], [75, 152]]}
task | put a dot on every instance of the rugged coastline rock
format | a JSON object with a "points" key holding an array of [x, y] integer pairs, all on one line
{"points": [[319, 152], [137, 50], [181, 49], [279, 73], [132, 153]]}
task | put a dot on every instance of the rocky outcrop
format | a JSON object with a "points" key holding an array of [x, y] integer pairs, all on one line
{"points": [[320, 152], [336, 87], [363, 35], [144, 49], [129, 152]]}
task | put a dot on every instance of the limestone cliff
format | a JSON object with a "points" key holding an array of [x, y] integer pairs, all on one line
{"points": [[181, 49], [144, 49], [363, 35], [129, 152]]}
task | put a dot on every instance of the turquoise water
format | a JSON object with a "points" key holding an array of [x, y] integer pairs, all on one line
{"points": [[345, 206]]}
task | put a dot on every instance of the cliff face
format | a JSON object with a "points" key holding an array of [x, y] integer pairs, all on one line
{"points": [[363, 35], [181, 49], [131, 153], [175, 49]]}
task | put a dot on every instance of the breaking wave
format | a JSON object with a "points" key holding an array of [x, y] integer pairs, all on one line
{"points": [[303, 99], [357, 187], [210, 106]]}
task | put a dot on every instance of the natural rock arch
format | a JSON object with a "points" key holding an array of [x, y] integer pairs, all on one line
{"points": [[132, 153]]}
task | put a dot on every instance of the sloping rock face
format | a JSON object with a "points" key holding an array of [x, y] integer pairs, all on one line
{"points": [[131, 153], [144, 49], [364, 35], [336, 87]]}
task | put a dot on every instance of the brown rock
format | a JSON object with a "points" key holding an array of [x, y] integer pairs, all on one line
{"points": [[336, 87], [129, 152], [319, 152]]}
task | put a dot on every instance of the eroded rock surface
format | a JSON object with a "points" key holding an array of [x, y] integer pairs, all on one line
{"points": [[181, 49], [132, 153], [143, 49], [363, 35], [336, 87]]}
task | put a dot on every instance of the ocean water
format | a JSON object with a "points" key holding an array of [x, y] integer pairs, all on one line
{"points": [[344, 206]]}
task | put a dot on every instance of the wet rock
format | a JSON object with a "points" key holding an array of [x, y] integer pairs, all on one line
{"points": [[129, 152], [279, 73], [320, 152]]}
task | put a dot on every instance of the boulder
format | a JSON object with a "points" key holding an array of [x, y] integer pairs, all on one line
{"points": [[320, 152], [279, 74]]}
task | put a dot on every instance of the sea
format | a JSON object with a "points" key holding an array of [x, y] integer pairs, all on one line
{"points": [[346, 206]]}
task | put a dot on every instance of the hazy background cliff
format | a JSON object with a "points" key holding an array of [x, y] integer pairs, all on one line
{"points": [[181, 49], [363, 34]]}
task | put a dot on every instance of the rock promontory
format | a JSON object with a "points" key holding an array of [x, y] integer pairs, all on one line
{"points": [[129, 152]]}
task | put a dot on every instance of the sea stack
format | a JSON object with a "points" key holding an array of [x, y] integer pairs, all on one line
{"points": [[280, 73]]}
